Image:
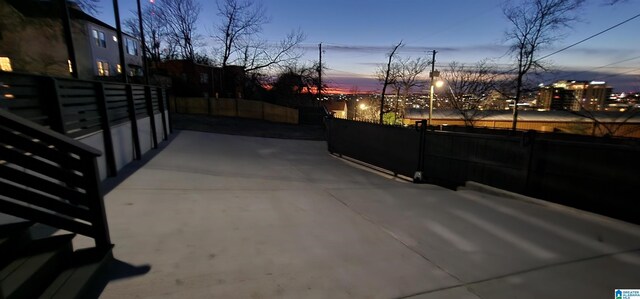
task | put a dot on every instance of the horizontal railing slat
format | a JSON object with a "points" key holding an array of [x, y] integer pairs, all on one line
{"points": [[39, 166], [48, 136], [42, 185], [54, 220], [89, 124], [37, 199], [40, 149]]}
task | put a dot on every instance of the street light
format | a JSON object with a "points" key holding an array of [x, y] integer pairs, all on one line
{"points": [[362, 107], [439, 83]]}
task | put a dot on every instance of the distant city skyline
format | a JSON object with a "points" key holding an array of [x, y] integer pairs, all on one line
{"points": [[356, 35]]}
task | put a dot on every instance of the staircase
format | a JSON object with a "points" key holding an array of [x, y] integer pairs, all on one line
{"points": [[46, 267], [49, 181]]}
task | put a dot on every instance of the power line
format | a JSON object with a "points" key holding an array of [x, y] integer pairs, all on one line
{"points": [[590, 37], [573, 73], [619, 74]]}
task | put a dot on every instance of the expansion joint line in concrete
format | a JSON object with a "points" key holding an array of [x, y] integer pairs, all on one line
{"points": [[560, 264], [386, 231]]}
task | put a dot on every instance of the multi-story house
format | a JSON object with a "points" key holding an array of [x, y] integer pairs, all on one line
{"points": [[32, 41]]}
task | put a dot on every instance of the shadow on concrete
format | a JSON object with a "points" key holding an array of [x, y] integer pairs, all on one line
{"points": [[112, 182], [115, 270]]}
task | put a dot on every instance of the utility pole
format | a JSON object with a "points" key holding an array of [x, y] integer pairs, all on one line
{"points": [[68, 38], [123, 66], [432, 75], [320, 71], [145, 67]]}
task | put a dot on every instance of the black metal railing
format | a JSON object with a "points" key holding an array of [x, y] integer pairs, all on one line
{"points": [[594, 174], [50, 178], [79, 108]]}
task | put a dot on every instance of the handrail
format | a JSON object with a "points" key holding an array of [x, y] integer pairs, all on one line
{"points": [[49, 178], [29, 127]]}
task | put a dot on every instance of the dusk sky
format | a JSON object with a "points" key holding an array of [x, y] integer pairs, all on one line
{"points": [[357, 34]]}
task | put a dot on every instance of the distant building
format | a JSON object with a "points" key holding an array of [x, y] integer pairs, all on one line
{"points": [[337, 108], [32, 41], [199, 80], [574, 96]]}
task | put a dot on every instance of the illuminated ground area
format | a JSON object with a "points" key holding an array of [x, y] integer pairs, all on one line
{"points": [[221, 216]]}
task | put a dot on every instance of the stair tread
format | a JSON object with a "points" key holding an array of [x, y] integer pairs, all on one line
{"points": [[13, 238], [32, 261], [9, 229], [72, 282]]}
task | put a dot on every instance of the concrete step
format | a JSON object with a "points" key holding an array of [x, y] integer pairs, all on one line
{"points": [[33, 269], [13, 238], [81, 276]]}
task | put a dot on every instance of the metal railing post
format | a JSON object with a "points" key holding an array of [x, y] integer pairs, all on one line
{"points": [[51, 97], [134, 123], [101, 101], [152, 118], [421, 127]]}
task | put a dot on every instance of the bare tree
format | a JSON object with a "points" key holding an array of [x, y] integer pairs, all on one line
{"points": [[535, 24], [180, 17], [408, 78], [387, 77], [239, 31], [88, 6], [469, 88], [154, 27], [241, 20], [259, 55]]}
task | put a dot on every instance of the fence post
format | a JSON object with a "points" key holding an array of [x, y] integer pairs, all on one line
{"points": [[150, 112], [421, 127], [529, 140], [163, 109], [105, 123], [54, 104], [134, 122]]}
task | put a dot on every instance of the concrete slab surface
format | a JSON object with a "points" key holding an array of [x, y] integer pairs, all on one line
{"points": [[221, 216]]}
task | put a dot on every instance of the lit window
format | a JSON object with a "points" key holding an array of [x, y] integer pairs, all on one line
{"points": [[99, 38], [132, 47], [5, 64], [119, 69], [103, 68]]}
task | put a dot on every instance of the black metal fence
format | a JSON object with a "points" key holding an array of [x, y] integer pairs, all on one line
{"points": [[594, 174]]}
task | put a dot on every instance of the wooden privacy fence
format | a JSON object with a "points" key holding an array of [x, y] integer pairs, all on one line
{"points": [[78, 108], [236, 108], [594, 174]]}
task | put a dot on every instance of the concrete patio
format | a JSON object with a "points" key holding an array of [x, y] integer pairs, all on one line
{"points": [[221, 216]]}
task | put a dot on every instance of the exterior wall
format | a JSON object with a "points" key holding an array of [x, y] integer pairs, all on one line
{"points": [[34, 45], [97, 141]]}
